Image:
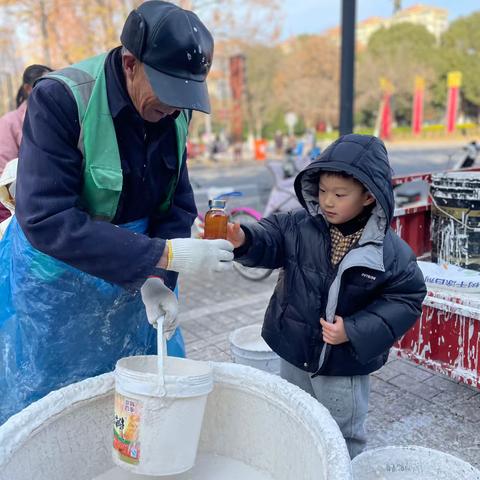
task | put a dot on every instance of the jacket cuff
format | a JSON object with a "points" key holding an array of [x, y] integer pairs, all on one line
{"points": [[351, 334], [149, 266], [241, 251], [169, 278]]}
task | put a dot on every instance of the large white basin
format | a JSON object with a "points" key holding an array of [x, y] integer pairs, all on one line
{"points": [[252, 418], [411, 463]]}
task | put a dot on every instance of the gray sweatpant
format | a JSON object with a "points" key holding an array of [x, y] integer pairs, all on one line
{"points": [[346, 398]]}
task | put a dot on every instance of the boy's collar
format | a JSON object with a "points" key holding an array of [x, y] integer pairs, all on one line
{"points": [[356, 223]]}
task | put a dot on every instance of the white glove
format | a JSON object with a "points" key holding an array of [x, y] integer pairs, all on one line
{"points": [[191, 255], [160, 301]]}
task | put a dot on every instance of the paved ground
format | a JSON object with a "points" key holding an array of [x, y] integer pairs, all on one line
{"points": [[408, 404], [404, 158]]}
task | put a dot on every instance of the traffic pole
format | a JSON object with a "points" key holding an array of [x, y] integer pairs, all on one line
{"points": [[347, 72]]}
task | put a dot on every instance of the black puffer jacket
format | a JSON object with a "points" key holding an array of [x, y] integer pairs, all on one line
{"points": [[377, 288]]}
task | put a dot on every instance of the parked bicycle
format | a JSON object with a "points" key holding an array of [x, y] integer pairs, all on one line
{"points": [[282, 198]]}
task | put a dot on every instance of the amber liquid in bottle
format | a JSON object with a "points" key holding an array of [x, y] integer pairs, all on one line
{"points": [[216, 221]]}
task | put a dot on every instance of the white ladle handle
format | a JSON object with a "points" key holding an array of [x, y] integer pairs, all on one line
{"points": [[161, 351]]}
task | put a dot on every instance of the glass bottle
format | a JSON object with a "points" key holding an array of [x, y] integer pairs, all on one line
{"points": [[216, 220]]}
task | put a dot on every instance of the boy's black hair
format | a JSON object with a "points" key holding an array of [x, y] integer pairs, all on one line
{"points": [[341, 174]]}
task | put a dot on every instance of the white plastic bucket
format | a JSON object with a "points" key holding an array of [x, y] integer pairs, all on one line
{"points": [[249, 348], [411, 463], [157, 424]]}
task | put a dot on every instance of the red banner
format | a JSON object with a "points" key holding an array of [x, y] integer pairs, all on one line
{"points": [[386, 115], [386, 118], [454, 81], [417, 110], [452, 107]]}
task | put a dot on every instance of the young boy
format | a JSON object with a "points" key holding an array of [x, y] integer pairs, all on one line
{"points": [[349, 287]]}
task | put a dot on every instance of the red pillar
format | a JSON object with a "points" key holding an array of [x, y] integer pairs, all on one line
{"points": [[417, 111], [454, 81], [386, 119], [386, 115], [237, 86]]}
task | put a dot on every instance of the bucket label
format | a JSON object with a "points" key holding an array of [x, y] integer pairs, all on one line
{"points": [[126, 428]]}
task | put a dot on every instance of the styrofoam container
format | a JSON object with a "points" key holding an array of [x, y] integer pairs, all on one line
{"points": [[252, 418], [249, 348], [411, 463], [157, 424]]}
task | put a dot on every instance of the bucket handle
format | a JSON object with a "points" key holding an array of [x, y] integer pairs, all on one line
{"points": [[463, 224], [161, 352]]}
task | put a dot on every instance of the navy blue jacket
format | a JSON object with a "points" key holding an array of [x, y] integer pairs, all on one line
{"points": [[50, 182], [377, 288]]}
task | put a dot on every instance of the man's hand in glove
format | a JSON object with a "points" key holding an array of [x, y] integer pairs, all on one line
{"points": [[160, 301], [193, 256]]}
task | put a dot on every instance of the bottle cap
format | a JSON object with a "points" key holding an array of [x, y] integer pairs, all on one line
{"points": [[217, 203]]}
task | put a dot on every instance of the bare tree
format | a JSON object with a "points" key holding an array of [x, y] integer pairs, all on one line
{"points": [[11, 69], [262, 66], [244, 20], [74, 29], [307, 80]]}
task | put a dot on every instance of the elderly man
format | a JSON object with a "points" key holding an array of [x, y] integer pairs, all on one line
{"points": [[104, 206]]}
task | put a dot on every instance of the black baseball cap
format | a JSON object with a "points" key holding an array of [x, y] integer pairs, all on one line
{"points": [[177, 52]]}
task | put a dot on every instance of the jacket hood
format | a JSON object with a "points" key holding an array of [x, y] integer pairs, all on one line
{"points": [[362, 156]]}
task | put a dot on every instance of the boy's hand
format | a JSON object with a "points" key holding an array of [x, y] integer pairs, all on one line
{"points": [[334, 333], [235, 234]]}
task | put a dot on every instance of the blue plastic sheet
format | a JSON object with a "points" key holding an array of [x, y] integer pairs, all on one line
{"points": [[59, 325]]}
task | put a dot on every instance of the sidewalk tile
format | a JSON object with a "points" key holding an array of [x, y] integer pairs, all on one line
{"points": [[411, 369], [210, 352], [443, 384], [410, 384], [453, 398]]}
